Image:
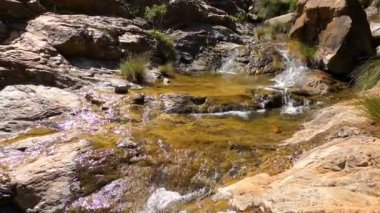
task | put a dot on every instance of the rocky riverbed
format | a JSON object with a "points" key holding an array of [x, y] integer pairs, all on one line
{"points": [[248, 121]]}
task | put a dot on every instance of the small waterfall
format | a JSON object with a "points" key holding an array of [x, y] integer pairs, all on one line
{"points": [[290, 77], [293, 73], [229, 66]]}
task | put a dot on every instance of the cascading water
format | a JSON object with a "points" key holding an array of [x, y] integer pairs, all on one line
{"points": [[229, 66], [292, 75]]}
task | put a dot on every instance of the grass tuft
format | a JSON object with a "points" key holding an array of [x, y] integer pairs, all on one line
{"points": [[133, 69], [167, 70], [166, 47], [367, 75], [371, 107]]}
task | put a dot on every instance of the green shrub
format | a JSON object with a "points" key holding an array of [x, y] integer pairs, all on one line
{"points": [[155, 14], [133, 69], [167, 70], [166, 46], [239, 17], [371, 107], [367, 75]]}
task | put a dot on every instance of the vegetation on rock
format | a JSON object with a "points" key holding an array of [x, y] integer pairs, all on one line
{"points": [[367, 75], [133, 68], [155, 14], [371, 107], [166, 45], [303, 51], [167, 70]]}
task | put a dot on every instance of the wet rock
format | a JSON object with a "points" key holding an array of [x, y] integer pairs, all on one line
{"points": [[261, 59], [125, 194], [7, 187], [180, 104], [317, 83], [122, 89], [342, 20], [114, 7], [126, 144], [31, 103], [44, 171], [188, 12], [268, 97]]}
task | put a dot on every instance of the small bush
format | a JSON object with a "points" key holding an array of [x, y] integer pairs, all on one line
{"points": [[303, 51], [155, 14], [239, 17], [371, 107], [167, 70], [367, 75], [166, 46], [133, 69]]}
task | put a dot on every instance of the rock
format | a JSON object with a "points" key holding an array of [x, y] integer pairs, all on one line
{"points": [[93, 37], [268, 97], [43, 171], [3, 32], [230, 6], [17, 9], [181, 104], [106, 7], [125, 194], [7, 187], [126, 144], [189, 12], [69, 51], [317, 83], [22, 104], [339, 176], [326, 120], [193, 41], [280, 20], [375, 29], [121, 89], [266, 9], [341, 21], [261, 59]]}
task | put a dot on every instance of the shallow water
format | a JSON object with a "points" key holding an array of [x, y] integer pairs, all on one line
{"points": [[185, 156]]}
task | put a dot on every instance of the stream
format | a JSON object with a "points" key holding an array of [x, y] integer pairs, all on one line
{"points": [[166, 147]]}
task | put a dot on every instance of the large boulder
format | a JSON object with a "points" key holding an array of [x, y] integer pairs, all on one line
{"points": [[97, 7], [339, 29], [189, 12], [94, 37], [232, 7], [17, 9]]}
